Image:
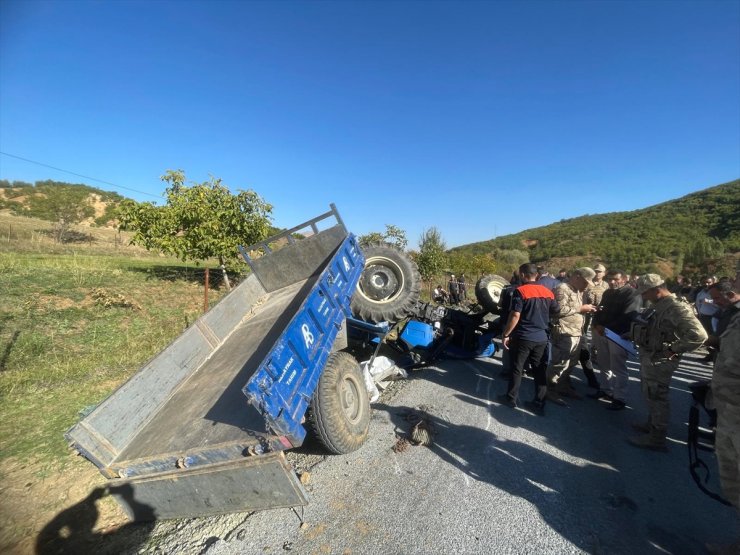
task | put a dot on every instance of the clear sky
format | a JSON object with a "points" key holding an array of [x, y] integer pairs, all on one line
{"points": [[479, 118]]}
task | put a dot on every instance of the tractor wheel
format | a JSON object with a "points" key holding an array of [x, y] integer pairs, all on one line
{"points": [[389, 285], [488, 291], [340, 407]]}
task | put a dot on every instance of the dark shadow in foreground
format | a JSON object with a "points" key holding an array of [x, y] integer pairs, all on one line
{"points": [[72, 530]]}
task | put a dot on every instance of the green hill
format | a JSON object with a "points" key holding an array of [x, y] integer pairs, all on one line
{"points": [[47, 199], [690, 231]]}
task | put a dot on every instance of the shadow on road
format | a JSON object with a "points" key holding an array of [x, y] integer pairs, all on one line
{"points": [[72, 530], [579, 478]]}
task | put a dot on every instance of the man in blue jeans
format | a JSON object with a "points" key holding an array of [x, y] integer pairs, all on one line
{"points": [[526, 335]]}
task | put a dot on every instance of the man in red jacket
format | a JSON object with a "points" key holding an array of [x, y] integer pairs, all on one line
{"points": [[526, 334]]}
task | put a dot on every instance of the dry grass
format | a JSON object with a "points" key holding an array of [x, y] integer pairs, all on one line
{"points": [[63, 348]]}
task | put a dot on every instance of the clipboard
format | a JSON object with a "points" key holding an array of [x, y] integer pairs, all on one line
{"points": [[626, 345]]}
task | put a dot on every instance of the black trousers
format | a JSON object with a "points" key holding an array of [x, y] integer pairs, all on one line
{"points": [[522, 352]]}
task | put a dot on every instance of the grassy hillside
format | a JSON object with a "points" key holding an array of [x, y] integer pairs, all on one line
{"points": [[43, 199], [76, 320], [698, 229]]}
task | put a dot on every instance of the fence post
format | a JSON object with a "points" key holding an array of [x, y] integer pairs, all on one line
{"points": [[205, 300]]}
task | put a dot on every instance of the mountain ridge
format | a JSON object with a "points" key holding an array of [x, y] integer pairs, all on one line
{"points": [[692, 229]]}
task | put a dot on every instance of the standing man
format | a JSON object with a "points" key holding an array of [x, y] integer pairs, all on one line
{"points": [[545, 279], [705, 306], [462, 288], [593, 293], [619, 305], [567, 332], [525, 335], [453, 288], [726, 394], [663, 333], [591, 296]]}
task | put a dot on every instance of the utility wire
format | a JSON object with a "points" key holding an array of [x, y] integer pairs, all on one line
{"points": [[79, 175]]}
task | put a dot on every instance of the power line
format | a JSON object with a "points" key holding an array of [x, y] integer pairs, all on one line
{"points": [[79, 175]]}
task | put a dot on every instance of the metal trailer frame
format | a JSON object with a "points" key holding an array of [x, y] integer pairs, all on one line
{"points": [[200, 428]]}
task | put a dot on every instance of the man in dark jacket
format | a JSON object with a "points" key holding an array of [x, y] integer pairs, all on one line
{"points": [[526, 336], [619, 306]]}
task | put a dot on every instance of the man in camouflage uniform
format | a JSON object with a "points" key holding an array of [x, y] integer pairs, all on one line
{"points": [[594, 293], [662, 333], [591, 296], [566, 333], [726, 395]]}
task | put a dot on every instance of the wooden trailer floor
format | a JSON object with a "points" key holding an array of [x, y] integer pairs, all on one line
{"points": [[209, 408]]}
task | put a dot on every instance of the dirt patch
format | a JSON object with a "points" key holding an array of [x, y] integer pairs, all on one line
{"points": [[35, 495], [53, 302]]}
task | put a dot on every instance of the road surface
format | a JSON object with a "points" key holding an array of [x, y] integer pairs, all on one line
{"points": [[496, 480]]}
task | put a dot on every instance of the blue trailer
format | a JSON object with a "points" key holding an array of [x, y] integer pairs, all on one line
{"points": [[202, 428]]}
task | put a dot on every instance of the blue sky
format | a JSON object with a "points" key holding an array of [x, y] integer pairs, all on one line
{"points": [[479, 118]]}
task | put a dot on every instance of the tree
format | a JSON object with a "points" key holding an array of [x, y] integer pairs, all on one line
{"points": [[63, 205], [432, 258], [393, 235], [201, 221]]}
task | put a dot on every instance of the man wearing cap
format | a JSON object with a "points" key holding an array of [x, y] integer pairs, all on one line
{"points": [[591, 296], [619, 305], [594, 292], [567, 330], [663, 332]]}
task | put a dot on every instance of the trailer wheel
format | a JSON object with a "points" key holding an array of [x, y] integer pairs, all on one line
{"points": [[488, 291], [340, 407], [389, 285]]}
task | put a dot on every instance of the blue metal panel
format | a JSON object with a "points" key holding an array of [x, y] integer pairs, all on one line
{"points": [[418, 334], [282, 386], [486, 348]]}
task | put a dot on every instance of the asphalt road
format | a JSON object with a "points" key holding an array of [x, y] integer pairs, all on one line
{"points": [[496, 480]]}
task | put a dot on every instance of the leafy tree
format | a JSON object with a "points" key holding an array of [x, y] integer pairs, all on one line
{"points": [[65, 205], [200, 221], [393, 235], [432, 258]]}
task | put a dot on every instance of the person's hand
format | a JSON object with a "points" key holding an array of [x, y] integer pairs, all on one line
{"points": [[506, 342], [586, 308], [670, 355]]}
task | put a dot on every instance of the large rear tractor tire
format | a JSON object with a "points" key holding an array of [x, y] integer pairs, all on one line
{"points": [[339, 413], [488, 291], [389, 285]]}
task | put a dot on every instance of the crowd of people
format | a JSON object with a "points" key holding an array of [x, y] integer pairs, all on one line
{"points": [[545, 321]]}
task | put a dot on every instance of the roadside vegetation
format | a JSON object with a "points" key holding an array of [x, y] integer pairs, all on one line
{"points": [[75, 322]]}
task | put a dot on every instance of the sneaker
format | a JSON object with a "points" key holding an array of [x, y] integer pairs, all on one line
{"points": [[504, 399], [537, 407], [616, 404], [600, 394], [648, 442]]}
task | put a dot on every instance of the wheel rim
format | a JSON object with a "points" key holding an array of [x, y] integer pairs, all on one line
{"points": [[349, 399], [382, 280], [495, 292]]}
